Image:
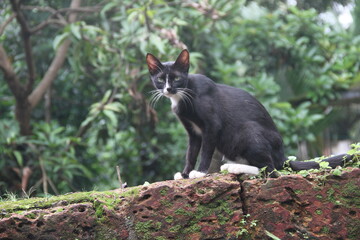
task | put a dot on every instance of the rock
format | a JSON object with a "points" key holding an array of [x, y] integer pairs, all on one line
{"points": [[215, 207], [294, 207]]}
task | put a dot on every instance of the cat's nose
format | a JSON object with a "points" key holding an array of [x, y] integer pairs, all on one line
{"points": [[169, 89]]}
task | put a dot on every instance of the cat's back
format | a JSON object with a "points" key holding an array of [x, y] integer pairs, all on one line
{"points": [[228, 100], [202, 83]]}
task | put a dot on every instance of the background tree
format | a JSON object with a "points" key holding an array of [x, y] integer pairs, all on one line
{"points": [[97, 113]]}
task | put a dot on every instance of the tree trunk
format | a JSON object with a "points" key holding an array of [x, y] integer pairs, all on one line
{"points": [[23, 115], [27, 98]]}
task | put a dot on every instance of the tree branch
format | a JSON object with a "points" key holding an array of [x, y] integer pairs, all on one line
{"points": [[55, 65], [57, 13], [80, 10], [25, 32], [9, 75], [62, 10], [3, 26], [54, 13], [46, 23]]}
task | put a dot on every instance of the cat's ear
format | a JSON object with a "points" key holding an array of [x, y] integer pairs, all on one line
{"points": [[154, 64], [182, 62]]}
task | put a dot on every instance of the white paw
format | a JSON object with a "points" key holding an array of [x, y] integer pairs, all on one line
{"points": [[196, 174], [178, 176], [224, 167], [240, 168]]}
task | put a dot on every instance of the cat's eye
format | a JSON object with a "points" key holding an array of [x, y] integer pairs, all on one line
{"points": [[177, 79], [160, 80]]}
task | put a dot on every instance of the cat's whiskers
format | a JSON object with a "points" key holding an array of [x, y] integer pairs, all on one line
{"points": [[156, 95], [186, 95]]}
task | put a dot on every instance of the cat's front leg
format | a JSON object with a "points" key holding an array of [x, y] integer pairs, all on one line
{"points": [[191, 156], [208, 149]]}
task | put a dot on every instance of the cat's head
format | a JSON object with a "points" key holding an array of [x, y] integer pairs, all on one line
{"points": [[169, 78]]}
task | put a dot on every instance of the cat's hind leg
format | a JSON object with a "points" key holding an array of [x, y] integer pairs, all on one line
{"points": [[237, 168]]}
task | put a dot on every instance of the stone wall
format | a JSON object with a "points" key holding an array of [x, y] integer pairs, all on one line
{"points": [[321, 206]]}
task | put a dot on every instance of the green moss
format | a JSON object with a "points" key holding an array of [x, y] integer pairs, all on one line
{"points": [[59, 210], [169, 219], [99, 212], [143, 227], [157, 226], [318, 211], [31, 215], [164, 191], [175, 229], [131, 192], [160, 238], [318, 196], [353, 229], [242, 232], [109, 198], [200, 191], [348, 195], [220, 208], [144, 230], [166, 203], [192, 229], [181, 211], [325, 230], [298, 191], [331, 195], [351, 190]]}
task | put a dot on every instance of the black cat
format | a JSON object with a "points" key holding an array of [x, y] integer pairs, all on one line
{"points": [[220, 118]]}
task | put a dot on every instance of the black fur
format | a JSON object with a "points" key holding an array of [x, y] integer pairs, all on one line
{"points": [[231, 120], [334, 161]]}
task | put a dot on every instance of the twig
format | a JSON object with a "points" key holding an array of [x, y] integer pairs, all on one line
{"points": [[46, 23], [3, 26], [119, 177], [52, 185], [26, 173], [44, 178]]}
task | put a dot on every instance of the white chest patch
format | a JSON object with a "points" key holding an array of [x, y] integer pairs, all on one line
{"points": [[175, 99]]}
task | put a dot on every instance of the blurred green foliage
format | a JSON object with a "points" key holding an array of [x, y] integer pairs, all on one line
{"points": [[296, 64]]}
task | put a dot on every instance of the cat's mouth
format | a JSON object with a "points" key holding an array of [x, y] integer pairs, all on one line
{"points": [[169, 93]]}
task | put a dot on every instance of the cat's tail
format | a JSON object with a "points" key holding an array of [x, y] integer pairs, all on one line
{"points": [[338, 160]]}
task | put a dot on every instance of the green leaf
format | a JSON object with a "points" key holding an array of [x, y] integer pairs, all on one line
{"points": [[304, 173], [337, 172], [324, 165], [75, 30], [157, 42], [106, 96], [272, 236], [115, 106], [59, 39], [19, 158], [111, 115], [88, 120]]}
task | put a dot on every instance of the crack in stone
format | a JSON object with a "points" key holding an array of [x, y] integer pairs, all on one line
{"points": [[129, 224], [242, 196]]}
